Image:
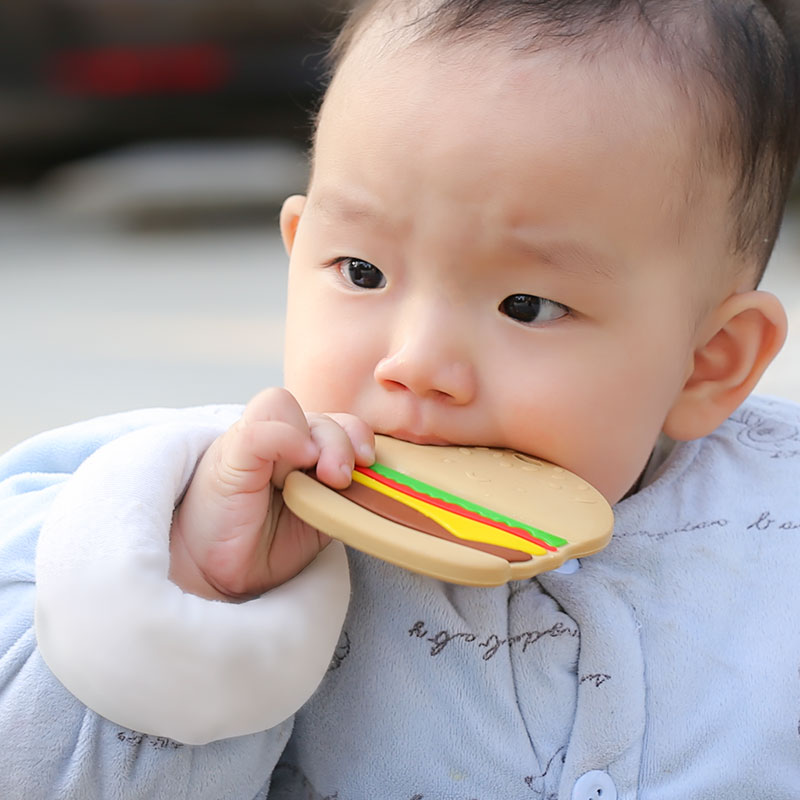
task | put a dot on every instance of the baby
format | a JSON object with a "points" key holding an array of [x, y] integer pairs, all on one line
{"points": [[533, 225]]}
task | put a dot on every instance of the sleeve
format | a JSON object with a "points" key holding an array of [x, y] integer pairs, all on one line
{"points": [[189, 697]]}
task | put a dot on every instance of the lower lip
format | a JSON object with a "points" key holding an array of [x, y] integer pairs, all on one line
{"points": [[413, 438]]}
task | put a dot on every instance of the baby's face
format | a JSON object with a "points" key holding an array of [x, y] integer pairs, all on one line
{"points": [[493, 251]]}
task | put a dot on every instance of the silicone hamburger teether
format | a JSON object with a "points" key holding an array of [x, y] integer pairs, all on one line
{"points": [[470, 515]]}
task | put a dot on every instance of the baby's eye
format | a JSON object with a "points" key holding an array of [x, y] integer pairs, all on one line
{"points": [[529, 308], [362, 273]]}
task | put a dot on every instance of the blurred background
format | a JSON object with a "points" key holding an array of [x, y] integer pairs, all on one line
{"points": [[145, 148]]}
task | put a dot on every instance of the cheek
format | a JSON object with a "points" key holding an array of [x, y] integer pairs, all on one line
{"points": [[627, 413], [593, 416], [327, 364]]}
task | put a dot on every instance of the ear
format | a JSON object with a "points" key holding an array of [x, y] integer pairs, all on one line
{"points": [[291, 212], [738, 343]]}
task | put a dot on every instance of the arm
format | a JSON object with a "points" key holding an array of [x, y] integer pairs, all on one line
{"points": [[53, 746], [130, 644]]}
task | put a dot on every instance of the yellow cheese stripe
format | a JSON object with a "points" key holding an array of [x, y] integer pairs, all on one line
{"points": [[453, 523]]}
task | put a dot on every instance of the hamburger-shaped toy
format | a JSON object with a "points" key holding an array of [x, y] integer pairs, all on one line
{"points": [[470, 515]]}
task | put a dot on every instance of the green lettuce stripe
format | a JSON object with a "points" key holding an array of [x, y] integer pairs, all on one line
{"points": [[439, 494]]}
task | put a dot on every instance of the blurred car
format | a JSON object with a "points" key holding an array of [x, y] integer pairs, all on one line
{"points": [[79, 76]]}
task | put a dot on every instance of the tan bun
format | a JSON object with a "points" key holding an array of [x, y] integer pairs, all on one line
{"points": [[529, 490]]}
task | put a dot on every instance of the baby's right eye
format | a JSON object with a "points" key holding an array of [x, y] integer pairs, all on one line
{"points": [[361, 273]]}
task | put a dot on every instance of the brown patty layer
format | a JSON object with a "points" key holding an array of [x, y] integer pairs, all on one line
{"points": [[394, 510]]}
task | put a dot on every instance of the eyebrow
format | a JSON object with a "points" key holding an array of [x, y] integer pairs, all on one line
{"points": [[343, 207], [567, 255]]}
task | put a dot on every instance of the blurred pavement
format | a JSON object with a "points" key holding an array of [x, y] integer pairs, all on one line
{"points": [[97, 319]]}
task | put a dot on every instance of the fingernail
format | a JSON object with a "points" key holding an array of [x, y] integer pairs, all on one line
{"points": [[347, 471], [367, 453]]}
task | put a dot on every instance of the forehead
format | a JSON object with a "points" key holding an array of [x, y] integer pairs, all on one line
{"points": [[523, 121], [388, 68]]}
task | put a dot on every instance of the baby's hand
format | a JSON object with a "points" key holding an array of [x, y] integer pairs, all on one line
{"points": [[232, 537]]}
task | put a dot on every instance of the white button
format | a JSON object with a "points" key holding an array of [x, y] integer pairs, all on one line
{"points": [[594, 785]]}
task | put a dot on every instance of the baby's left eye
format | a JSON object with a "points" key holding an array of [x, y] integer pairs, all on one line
{"points": [[529, 308]]}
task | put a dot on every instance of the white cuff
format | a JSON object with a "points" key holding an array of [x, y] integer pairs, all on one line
{"points": [[133, 647]]}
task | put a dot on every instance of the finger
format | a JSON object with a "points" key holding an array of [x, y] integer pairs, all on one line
{"points": [[336, 453], [361, 437], [253, 453], [275, 404], [252, 448]]}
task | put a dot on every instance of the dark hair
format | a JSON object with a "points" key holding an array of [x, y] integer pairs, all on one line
{"points": [[738, 59]]}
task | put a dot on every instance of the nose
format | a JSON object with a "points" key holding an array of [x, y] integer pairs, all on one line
{"points": [[431, 359]]}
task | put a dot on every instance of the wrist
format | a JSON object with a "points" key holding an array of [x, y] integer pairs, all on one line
{"points": [[184, 571]]}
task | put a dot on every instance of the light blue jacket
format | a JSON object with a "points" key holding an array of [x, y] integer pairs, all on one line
{"points": [[666, 667]]}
